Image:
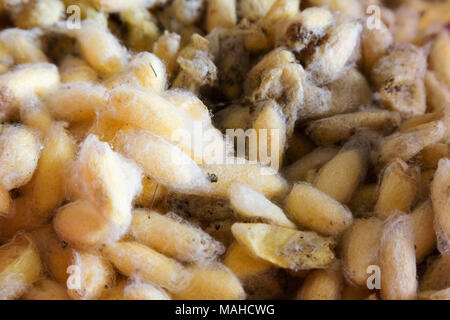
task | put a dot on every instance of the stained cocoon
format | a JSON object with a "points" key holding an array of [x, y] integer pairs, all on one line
{"points": [[285, 247], [333, 57]]}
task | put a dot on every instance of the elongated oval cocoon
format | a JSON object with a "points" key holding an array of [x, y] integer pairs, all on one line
{"points": [[134, 259], [340, 177], [251, 204], [260, 178], [20, 148], [18, 85], [83, 226], [106, 179], [440, 198], [284, 247], [172, 236], [77, 101], [95, 275], [360, 249], [162, 161], [313, 160], [100, 48], [315, 210], [212, 282], [397, 259], [20, 266]]}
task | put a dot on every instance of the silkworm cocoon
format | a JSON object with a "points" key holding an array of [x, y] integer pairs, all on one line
{"points": [[312, 208], [424, 234], [162, 160], [45, 191], [77, 101], [360, 249], [408, 142], [167, 48], [75, 69], [397, 259], [397, 190], [122, 5], [34, 114], [260, 178], [437, 275], [324, 284], [440, 198], [20, 266], [100, 48], [220, 13], [174, 237], [139, 290], [108, 180], [340, 176], [19, 84], [149, 111], [251, 204], [20, 148], [24, 46], [80, 224], [285, 247], [95, 275], [243, 264], [134, 259], [46, 289], [39, 13], [313, 160], [332, 58], [5, 201], [211, 282], [145, 69]]}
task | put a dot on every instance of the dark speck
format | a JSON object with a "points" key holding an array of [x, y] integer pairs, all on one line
{"points": [[212, 177]]}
